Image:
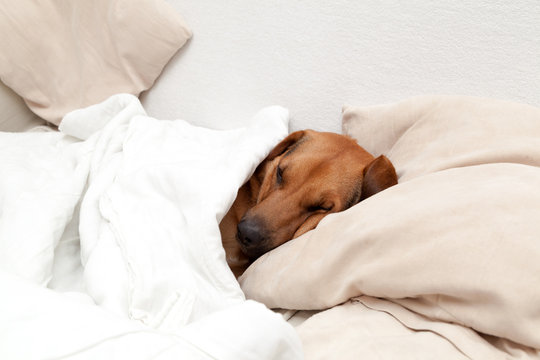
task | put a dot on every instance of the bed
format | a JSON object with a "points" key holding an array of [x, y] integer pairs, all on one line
{"points": [[125, 137]]}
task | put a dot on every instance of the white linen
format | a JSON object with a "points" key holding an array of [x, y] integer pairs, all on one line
{"points": [[72, 326], [42, 176], [151, 195]]}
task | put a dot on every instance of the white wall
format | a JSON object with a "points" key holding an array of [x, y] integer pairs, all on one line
{"points": [[314, 56]]}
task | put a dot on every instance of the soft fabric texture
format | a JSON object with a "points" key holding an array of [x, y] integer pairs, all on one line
{"points": [[452, 249], [145, 198], [376, 335], [71, 326], [425, 134], [41, 181], [63, 55], [15, 115]]}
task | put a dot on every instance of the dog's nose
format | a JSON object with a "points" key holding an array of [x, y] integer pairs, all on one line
{"points": [[249, 233]]}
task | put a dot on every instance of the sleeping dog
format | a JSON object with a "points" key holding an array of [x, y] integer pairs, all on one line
{"points": [[305, 177]]}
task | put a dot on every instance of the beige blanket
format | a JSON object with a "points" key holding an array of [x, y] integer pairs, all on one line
{"points": [[445, 265]]}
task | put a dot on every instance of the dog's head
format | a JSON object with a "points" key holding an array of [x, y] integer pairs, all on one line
{"points": [[305, 177]]}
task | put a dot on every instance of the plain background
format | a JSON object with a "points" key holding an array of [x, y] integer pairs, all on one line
{"points": [[315, 56]]}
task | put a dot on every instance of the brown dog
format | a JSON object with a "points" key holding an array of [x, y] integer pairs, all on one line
{"points": [[305, 177]]}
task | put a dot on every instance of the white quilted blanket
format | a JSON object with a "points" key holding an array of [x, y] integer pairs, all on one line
{"points": [[143, 198]]}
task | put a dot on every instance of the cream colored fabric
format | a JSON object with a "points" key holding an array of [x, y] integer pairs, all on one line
{"points": [[367, 328], [430, 133], [376, 335], [15, 115], [456, 242], [64, 55]]}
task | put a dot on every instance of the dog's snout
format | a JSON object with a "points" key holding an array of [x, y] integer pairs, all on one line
{"points": [[249, 233]]}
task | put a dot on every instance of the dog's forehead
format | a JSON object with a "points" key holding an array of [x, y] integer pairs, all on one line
{"points": [[319, 167], [329, 151], [331, 144]]}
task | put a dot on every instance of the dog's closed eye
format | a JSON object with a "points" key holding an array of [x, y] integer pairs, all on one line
{"points": [[320, 208], [279, 175]]}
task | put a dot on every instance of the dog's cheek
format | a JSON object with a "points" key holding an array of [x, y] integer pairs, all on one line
{"points": [[310, 224]]}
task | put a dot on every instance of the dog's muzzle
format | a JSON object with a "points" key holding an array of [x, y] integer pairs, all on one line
{"points": [[250, 237]]}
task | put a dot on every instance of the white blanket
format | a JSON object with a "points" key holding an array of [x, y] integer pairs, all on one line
{"points": [[151, 194]]}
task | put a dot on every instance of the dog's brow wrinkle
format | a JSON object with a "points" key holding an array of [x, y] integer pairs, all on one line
{"points": [[294, 147], [355, 196]]}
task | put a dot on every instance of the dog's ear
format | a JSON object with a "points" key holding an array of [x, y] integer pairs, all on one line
{"points": [[378, 175], [286, 144]]}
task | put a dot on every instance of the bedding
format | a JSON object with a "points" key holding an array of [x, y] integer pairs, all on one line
{"points": [[426, 134], [61, 56], [109, 245], [443, 265], [127, 208], [15, 114]]}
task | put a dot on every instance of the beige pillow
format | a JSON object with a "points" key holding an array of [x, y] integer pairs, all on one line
{"points": [[430, 133], [458, 246], [63, 55], [456, 243], [15, 114]]}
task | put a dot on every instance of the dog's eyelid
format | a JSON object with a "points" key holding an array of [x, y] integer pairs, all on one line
{"points": [[279, 174], [321, 207], [327, 207]]}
